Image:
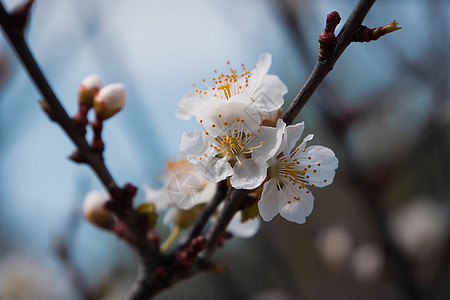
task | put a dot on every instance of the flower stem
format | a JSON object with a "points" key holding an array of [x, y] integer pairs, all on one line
{"points": [[170, 239]]}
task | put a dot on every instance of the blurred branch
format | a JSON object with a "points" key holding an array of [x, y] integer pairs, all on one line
{"points": [[136, 234], [156, 270], [203, 219]]}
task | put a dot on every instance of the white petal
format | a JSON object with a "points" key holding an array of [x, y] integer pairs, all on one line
{"points": [[263, 64], [190, 105], [157, 197], [268, 205], [248, 176], [208, 192], [323, 174], [215, 114], [185, 189], [269, 92], [193, 144], [183, 115], [243, 230], [214, 169], [297, 211], [308, 138], [292, 135], [271, 138]]}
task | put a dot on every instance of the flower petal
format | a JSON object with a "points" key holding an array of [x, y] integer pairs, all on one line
{"points": [[271, 139], [249, 175], [269, 92], [214, 169], [268, 205], [243, 230], [263, 64], [193, 144], [292, 135], [190, 105], [320, 164], [219, 117], [157, 197], [297, 210]]}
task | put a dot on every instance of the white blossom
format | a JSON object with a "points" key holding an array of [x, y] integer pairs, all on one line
{"points": [[183, 187], [232, 143], [245, 229], [290, 170], [263, 92]]}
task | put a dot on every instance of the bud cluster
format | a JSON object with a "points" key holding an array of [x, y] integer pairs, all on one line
{"points": [[106, 100]]}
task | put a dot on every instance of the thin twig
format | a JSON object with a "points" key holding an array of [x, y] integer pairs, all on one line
{"points": [[323, 67], [216, 233], [136, 235], [203, 219], [320, 71]]}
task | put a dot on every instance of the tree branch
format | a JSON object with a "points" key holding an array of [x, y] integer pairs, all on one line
{"points": [[158, 271], [136, 235], [323, 67]]}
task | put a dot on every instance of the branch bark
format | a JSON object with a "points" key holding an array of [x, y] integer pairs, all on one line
{"points": [[136, 235], [158, 271], [323, 67]]}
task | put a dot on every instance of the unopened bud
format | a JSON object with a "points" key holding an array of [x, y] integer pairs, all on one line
{"points": [[110, 100], [185, 218], [95, 211], [90, 85], [149, 209]]}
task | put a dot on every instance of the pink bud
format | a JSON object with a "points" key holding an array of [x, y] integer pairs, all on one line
{"points": [[110, 100]]}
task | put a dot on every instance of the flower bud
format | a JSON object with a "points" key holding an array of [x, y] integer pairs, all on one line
{"points": [[149, 209], [110, 100], [90, 85], [95, 212]]}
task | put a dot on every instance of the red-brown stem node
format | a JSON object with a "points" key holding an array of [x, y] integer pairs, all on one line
{"points": [[154, 238], [227, 235], [198, 244], [77, 157], [119, 229], [249, 200], [365, 34], [327, 38], [128, 193], [81, 117], [97, 142], [186, 257], [161, 275], [21, 15]]}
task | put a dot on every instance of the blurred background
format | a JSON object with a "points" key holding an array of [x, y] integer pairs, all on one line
{"points": [[380, 231]]}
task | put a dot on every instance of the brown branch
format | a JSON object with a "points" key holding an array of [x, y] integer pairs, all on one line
{"points": [[323, 67], [203, 219], [158, 271], [136, 235], [215, 235]]}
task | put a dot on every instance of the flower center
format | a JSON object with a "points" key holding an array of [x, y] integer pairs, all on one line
{"points": [[286, 171], [228, 85]]}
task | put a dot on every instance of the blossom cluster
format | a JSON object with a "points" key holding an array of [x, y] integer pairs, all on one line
{"points": [[236, 144], [243, 140]]}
